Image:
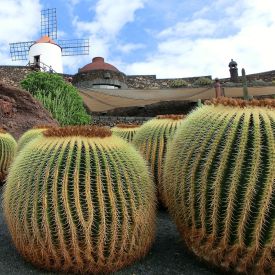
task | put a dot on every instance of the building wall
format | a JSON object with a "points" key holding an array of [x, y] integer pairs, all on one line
{"points": [[50, 55], [100, 77]]}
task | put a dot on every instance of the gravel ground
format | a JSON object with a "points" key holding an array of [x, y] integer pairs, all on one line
{"points": [[167, 255]]}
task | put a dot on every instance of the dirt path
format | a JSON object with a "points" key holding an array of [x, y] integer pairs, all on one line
{"points": [[167, 255]]}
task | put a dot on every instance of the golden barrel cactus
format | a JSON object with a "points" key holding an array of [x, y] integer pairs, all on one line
{"points": [[125, 131], [7, 152], [219, 180], [152, 140], [80, 200], [30, 135]]}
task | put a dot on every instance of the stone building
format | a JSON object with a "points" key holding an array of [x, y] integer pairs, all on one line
{"points": [[100, 75]]}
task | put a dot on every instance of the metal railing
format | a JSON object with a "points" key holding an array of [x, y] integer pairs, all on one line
{"points": [[41, 65]]}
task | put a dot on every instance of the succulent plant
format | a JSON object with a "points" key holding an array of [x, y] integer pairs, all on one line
{"points": [[80, 200], [30, 135], [7, 152], [219, 184], [125, 131], [152, 140]]}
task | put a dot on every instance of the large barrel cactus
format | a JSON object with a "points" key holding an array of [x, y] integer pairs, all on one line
{"points": [[219, 182], [30, 135], [152, 140], [80, 200], [125, 131], [7, 152]]}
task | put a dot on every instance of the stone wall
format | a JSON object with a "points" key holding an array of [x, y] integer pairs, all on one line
{"points": [[268, 76], [12, 75], [151, 82], [100, 77]]}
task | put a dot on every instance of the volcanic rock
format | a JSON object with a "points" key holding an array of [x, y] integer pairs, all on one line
{"points": [[19, 111]]}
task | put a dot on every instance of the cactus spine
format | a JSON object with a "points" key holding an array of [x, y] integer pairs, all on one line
{"points": [[80, 200], [125, 131], [7, 152], [219, 183], [30, 135], [152, 140]]}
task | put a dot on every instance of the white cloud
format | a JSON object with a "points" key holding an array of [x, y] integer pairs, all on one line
{"points": [[251, 44], [130, 47], [197, 27], [109, 20], [19, 21]]}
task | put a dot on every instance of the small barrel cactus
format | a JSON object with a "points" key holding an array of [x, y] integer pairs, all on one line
{"points": [[7, 152], [80, 200], [125, 131], [219, 183], [152, 140], [30, 135]]}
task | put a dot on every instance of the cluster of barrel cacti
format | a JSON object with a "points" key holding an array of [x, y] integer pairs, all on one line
{"points": [[81, 199], [7, 152], [87, 204], [152, 140], [219, 183]]}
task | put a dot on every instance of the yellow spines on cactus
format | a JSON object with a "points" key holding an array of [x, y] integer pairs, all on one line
{"points": [[30, 135], [152, 139], [80, 200], [125, 131], [219, 184], [7, 152]]}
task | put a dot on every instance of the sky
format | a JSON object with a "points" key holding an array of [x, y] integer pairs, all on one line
{"points": [[166, 38]]}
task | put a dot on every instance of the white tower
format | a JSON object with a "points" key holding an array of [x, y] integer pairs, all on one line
{"points": [[46, 55]]}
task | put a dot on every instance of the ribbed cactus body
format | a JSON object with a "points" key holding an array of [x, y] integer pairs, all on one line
{"points": [[125, 131], [80, 203], [7, 152], [152, 140], [219, 183], [29, 136]]}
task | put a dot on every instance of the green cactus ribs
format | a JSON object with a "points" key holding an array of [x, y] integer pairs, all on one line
{"points": [[79, 199], [126, 131], [7, 152], [30, 135], [152, 140], [219, 184]]}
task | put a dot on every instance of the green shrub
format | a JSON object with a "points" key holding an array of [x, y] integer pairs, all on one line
{"points": [[179, 83], [58, 97], [66, 109], [203, 81], [80, 200], [259, 82]]}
